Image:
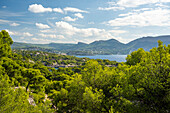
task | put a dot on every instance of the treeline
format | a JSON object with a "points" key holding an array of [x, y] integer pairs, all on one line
{"points": [[142, 84], [49, 50], [52, 59]]}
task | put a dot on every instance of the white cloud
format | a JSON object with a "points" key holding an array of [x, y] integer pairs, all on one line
{"points": [[136, 3], [47, 36], [58, 10], [27, 34], [34, 39], [111, 3], [79, 15], [117, 31], [155, 17], [136, 11], [60, 37], [122, 4], [51, 36], [127, 14], [46, 31], [111, 8], [162, 5], [87, 35], [64, 25], [66, 28], [73, 34], [38, 8], [4, 7], [3, 21], [46, 41], [14, 24], [71, 9], [41, 40], [164, 1], [24, 34], [42, 26], [11, 32], [67, 18], [142, 9], [10, 14]]}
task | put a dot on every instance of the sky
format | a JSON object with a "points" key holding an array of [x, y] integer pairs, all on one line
{"points": [[73, 21]]}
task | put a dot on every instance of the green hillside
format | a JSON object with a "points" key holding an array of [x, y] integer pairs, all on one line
{"points": [[28, 83], [111, 46]]}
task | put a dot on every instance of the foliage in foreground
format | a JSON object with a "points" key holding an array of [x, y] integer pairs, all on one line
{"points": [[139, 85]]}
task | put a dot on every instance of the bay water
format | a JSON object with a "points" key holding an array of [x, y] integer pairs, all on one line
{"points": [[118, 58]]}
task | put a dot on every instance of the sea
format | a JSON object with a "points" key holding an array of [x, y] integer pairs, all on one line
{"points": [[118, 58]]}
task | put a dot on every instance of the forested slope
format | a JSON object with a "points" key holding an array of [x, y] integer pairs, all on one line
{"points": [[111, 46], [137, 86]]}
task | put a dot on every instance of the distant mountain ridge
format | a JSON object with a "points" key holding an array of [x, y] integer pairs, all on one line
{"points": [[111, 46], [148, 42]]}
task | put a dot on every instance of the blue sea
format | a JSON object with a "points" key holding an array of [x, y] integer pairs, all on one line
{"points": [[118, 58]]}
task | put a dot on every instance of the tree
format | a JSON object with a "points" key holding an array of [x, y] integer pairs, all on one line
{"points": [[11, 99], [136, 57], [14, 71], [150, 79], [5, 42], [92, 100], [15, 99], [34, 79]]}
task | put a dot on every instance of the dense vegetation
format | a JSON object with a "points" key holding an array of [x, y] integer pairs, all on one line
{"points": [[49, 59], [142, 84], [57, 60], [102, 47]]}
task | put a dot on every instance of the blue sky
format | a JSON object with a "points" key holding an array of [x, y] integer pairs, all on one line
{"points": [[72, 21]]}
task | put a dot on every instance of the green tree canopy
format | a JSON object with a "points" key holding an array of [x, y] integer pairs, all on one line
{"points": [[5, 42]]}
